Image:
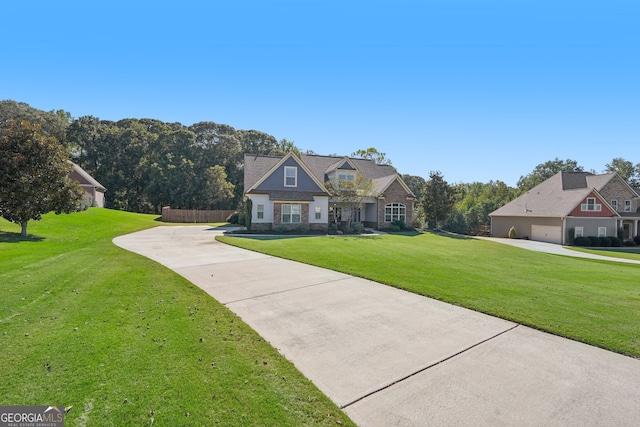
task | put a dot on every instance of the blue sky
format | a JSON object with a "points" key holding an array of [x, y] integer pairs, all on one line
{"points": [[477, 90]]}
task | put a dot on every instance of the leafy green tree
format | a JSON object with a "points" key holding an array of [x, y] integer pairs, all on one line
{"points": [[546, 170], [53, 123], [626, 169], [256, 142], [474, 203], [35, 175], [415, 183], [372, 154], [437, 199], [351, 194]]}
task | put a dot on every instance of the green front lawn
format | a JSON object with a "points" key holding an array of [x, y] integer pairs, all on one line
{"points": [[124, 341], [596, 302]]}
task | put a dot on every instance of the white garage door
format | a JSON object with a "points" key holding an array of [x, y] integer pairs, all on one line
{"points": [[546, 233]]}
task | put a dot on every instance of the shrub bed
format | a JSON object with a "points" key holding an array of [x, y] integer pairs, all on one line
{"points": [[582, 241]]}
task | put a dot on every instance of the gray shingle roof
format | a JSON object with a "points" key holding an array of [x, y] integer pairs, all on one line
{"points": [[555, 197], [255, 167]]}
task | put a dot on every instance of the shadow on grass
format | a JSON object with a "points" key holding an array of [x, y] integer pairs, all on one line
{"points": [[411, 233], [8, 237], [269, 236], [450, 235]]}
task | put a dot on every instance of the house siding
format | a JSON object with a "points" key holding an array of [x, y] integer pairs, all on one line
{"points": [[591, 225], [604, 212], [618, 190], [500, 225], [275, 181]]}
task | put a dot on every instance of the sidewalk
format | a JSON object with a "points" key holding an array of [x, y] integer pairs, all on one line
{"points": [[389, 357]]}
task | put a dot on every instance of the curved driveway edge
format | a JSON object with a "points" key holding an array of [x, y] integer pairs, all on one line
{"points": [[553, 248], [389, 357]]}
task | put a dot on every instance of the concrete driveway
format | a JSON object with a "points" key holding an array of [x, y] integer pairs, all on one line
{"points": [[392, 358], [553, 248]]}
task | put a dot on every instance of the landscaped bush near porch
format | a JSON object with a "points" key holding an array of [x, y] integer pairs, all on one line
{"points": [[616, 242], [595, 241], [605, 242], [582, 241]]}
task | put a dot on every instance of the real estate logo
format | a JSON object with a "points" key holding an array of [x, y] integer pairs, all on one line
{"points": [[31, 416]]}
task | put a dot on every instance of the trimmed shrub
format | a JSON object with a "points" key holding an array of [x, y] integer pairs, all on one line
{"points": [[629, 243], [512, 233], [233, 218], [582, 241], [605, 242], [248, 207], [616, 242], [399, 223], [637, 239], [595, 241]]}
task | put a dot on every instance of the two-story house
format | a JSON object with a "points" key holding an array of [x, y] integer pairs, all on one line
{"points": [[593, 205], [289, 192]]}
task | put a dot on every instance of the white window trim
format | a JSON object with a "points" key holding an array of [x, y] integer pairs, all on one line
{"points": [[318, 212], [399, 215], [260, 211], [295, 176], [614, 205], [291, 213], [627, 205], [602, 231], [579, 232], [591, 207]]}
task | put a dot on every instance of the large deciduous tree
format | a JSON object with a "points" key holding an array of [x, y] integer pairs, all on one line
{"points": [[438, 198], [35, 175], [626, 170], [546, 170]]}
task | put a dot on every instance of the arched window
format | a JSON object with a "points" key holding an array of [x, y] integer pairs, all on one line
{"points": [[395, 212]]}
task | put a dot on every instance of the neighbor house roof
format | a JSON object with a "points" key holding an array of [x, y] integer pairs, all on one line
{"points": [[555, 197], [86, 178]]}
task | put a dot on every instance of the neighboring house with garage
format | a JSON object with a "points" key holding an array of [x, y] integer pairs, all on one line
{"points": [[593, 205], [289, 192], [92, 188]]}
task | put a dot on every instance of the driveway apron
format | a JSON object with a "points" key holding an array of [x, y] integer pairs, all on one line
{"points": [[390, 357]]}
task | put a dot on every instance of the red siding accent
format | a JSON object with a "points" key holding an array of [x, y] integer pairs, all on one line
{"points": [[605, 212]]}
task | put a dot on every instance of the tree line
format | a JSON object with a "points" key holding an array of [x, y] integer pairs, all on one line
{"points": [[146, 164]]}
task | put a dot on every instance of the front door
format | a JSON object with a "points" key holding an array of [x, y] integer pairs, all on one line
{"points": [[335, 214]]}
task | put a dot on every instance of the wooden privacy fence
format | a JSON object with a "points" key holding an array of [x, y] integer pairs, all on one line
{"points": [[192, 215]]}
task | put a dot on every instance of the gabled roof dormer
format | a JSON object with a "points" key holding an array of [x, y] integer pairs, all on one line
{"points": [[342, 164], [593, 205], [290, 174]]}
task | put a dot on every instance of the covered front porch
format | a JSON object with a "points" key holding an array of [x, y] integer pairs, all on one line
{"points": [[630, 225], [342, 213]]}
